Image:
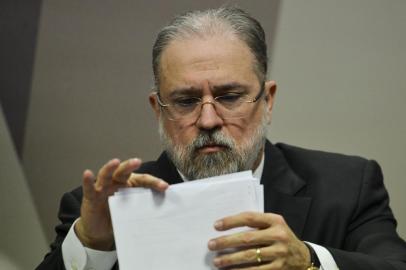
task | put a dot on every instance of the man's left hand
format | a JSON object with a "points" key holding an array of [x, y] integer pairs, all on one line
{"points": [[271, 245]]}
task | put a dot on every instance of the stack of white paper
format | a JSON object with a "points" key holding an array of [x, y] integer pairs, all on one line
{"points": [[171, 230]]}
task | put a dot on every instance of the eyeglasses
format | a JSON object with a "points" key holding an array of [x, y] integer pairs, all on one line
{"points": [[228, 105]]}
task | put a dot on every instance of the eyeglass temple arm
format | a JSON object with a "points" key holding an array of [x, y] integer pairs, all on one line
{"points": [[260, 93], [160, 101]]}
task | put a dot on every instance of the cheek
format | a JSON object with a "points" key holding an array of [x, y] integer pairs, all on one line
{"points": [[242, 129], [239, 130], [180, 133]]}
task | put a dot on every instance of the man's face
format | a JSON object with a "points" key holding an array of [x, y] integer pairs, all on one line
{"points": [[210, 144]]}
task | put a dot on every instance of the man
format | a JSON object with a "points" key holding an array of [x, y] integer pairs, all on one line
{"points": [[213, 104]]}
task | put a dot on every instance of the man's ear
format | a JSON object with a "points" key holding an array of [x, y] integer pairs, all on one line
{"points": [[153, 101], [270, 91]]}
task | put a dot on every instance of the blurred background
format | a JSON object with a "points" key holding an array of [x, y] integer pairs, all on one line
{"points": [[75, 76]]}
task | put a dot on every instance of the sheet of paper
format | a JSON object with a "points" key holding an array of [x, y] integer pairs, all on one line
{"points": [[171, 230]]}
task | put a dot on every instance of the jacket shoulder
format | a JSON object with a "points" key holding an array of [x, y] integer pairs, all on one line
{"points": [[302, 159], [323, 170]]}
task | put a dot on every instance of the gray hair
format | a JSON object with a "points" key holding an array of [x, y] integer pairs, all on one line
{"points": [[210, 22]]}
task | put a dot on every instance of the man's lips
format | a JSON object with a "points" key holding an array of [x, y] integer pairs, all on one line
{"points": [[211, 148]]}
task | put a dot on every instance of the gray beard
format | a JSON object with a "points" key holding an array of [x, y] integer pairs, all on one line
{"points": [[233, 158]]}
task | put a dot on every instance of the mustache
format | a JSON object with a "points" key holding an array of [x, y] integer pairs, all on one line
{"points": [[212, 138]]}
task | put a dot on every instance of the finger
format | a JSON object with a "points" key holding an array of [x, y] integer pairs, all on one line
{"points": [[242, 239], [237, 258], [123, 172], [104, 177], [250, 219], [274, 265], [267, 266], [88, 184], [252, 256], [147, 181], [244, 257]]}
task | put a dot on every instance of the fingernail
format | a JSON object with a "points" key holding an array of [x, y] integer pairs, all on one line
{"points": [[134, 161], [218, 224], [162, 184], [114, 161], [212, 244], [216, 261]]}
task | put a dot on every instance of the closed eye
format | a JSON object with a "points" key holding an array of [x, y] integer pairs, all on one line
{"points": [[186, 101], [229, 98]]}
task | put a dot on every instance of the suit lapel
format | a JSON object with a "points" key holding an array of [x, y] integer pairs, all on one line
{"points": [[166, 170], [282, 187]]}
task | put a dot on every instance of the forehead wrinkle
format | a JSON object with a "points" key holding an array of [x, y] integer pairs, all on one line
{"points": [[205, 64]]}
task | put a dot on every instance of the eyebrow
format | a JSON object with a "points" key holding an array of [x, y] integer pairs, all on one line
{"points": [[185, 91], [230, 86], [192, 90]]}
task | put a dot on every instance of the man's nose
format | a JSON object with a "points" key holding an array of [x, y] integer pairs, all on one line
{"points": [[208, 118]]}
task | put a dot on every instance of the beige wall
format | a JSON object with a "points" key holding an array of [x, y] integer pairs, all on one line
{"points": [[341, 69], [339, 65]]}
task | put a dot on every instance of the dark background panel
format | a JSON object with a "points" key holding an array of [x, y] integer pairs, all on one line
{"points": [[18, 34]]}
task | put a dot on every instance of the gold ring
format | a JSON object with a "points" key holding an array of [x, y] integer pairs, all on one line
{"points": [[258, 252]]}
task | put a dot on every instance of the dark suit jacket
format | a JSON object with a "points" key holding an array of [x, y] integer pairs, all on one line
{"points": [[332, 200]]}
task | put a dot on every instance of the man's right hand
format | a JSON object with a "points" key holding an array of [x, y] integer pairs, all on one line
{"points": [[94, 228]]}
